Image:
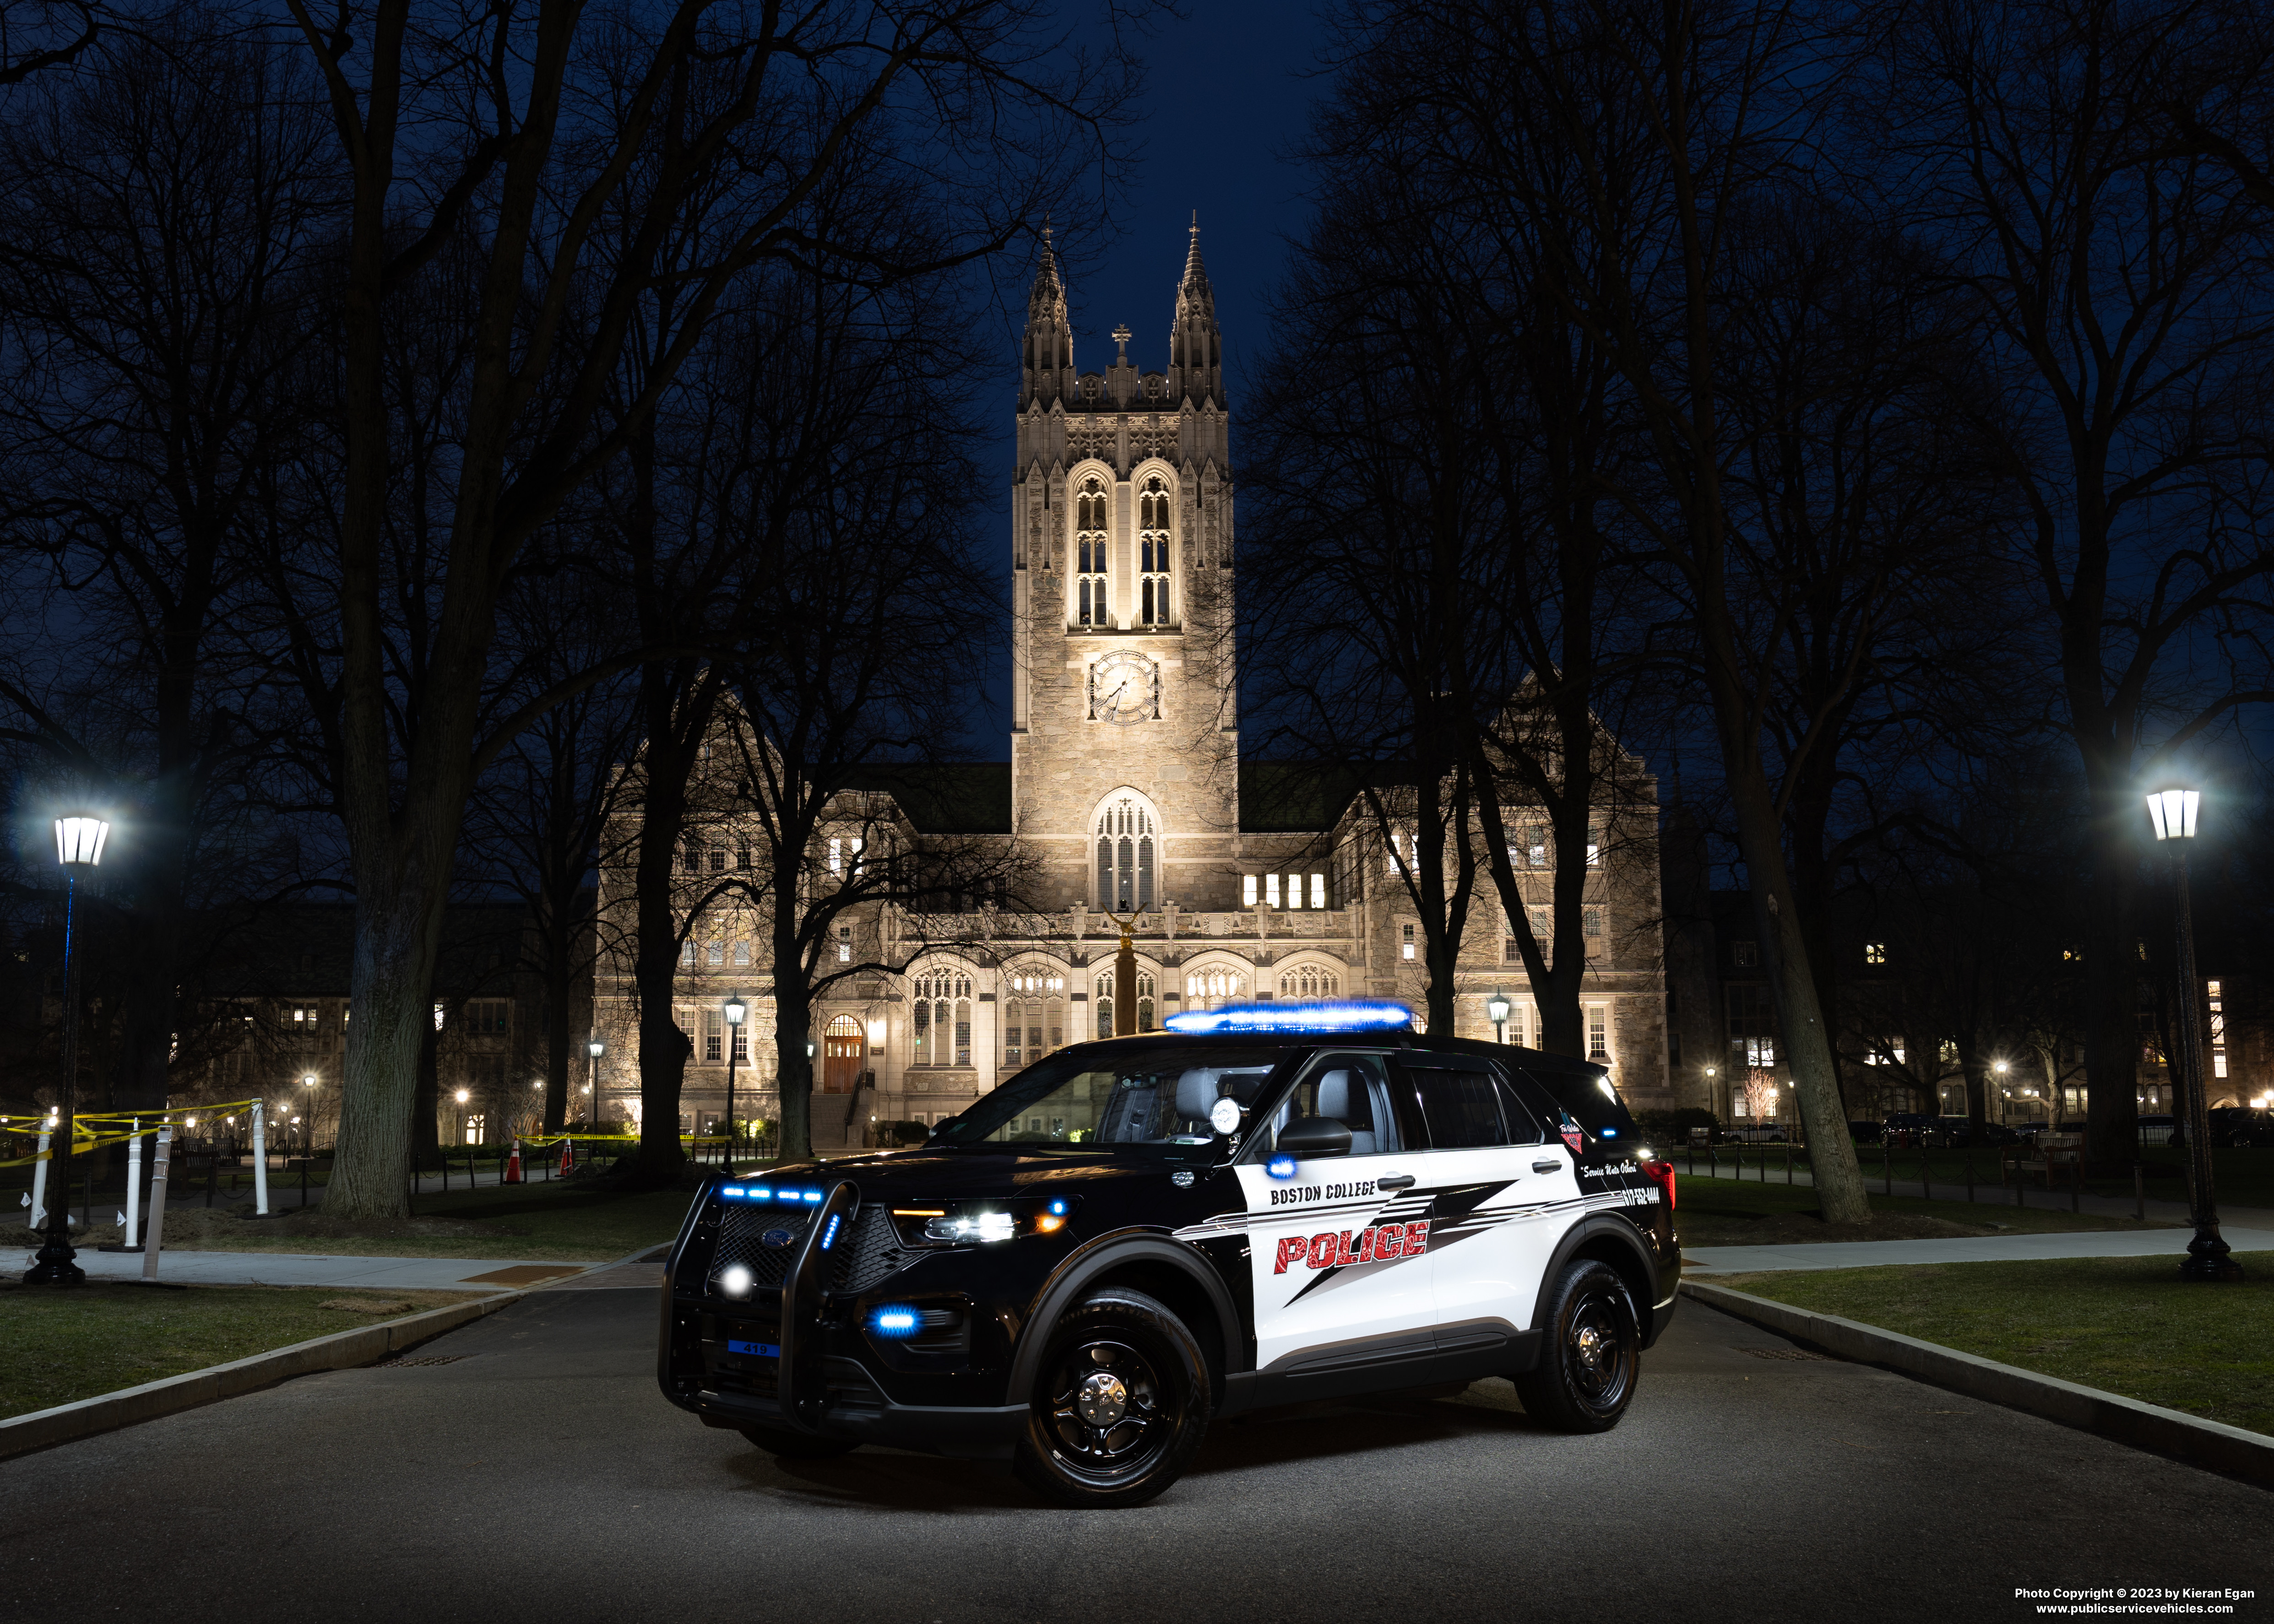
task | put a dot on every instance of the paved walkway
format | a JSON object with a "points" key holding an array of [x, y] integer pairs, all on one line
{"points": [[1962, 1249], [292, 1268]]}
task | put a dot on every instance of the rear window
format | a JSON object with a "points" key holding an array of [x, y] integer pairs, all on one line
{"points": [[1591, 1102]]}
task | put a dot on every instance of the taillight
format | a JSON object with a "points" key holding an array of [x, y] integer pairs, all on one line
{"points": [[1662, 1174]]}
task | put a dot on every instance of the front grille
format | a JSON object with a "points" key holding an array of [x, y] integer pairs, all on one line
{"points": [[741, 1239], [872, 1255]]}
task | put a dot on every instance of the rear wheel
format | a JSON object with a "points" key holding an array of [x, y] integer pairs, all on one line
{"points": [[1587, 1374], [797, 1446], [1120, 1402]]}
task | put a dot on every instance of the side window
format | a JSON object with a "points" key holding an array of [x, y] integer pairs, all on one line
{"points": [[1355, 1091], [1462, 1108], [1525, 1126]]}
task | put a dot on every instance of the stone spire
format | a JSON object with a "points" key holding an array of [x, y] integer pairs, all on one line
{"points": [[1195, 347], [1047, 355]]}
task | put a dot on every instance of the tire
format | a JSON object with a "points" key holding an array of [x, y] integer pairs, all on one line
{"points": [[1587, 1370], [1120, 1404], [798, 1446]]}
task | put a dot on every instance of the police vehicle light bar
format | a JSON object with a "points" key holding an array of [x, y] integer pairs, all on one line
{"points": [[1340, 1015], [785, 1196]]}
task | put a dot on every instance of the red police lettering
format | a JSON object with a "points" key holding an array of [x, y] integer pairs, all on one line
{"points": [[1323, 1251], [1292, 1248], [1389, 1241], [1416, 1239]]}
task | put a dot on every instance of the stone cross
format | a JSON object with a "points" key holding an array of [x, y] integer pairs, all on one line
{"points": [[1121, 337]]}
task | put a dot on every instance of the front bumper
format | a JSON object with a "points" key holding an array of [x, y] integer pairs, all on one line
{"points": [[976, 1433]]}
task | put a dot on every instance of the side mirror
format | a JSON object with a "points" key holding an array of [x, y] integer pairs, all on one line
{"points": [[1307, 1137]]}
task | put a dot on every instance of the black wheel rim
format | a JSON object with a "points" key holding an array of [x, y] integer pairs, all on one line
{"points": [[1109, 1414], [1599, 1350]]}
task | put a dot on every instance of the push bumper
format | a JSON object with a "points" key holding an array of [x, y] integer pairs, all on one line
{"points": [[965, 1434]]}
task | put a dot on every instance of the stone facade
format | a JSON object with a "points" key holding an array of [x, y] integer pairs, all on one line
{"points": [[1127, 796]]}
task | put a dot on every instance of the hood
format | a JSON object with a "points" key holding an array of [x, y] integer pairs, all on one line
{"points": [[910, 1174]]}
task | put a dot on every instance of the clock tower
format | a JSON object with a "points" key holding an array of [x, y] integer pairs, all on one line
{"points": [[1123, 747]]}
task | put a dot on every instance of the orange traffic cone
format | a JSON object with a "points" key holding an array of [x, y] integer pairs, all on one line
{"points": [[513, 1163], [568, 1163]]}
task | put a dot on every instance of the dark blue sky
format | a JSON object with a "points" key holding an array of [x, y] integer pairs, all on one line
{"points": [[1227, 90]]}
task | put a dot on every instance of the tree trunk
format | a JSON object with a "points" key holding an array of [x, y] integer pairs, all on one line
{"points": [[793, 1033], [427, 1109], [559, 988], [398, 929]]}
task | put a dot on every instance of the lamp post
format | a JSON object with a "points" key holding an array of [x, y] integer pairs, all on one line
{"points": [[80, 840], [1496, 1007], [595, 1048], [308, 1139], [737, 1011], [2174, 814]]}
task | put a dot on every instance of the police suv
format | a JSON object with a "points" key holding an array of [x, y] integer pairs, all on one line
{"points": [[1134, 1236]]}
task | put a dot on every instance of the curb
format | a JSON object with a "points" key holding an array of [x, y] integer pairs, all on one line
{"points": [[106, 1412], [2211, 1444]]}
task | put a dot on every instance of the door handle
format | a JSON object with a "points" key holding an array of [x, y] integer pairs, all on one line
{"points": [[1394, 1180], [1551, 1165]]}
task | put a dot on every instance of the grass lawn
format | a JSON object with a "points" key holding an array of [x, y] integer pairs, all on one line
{"points": [[97, 1338], [1727, 1212], [548, 1222], [2123, 1325]]}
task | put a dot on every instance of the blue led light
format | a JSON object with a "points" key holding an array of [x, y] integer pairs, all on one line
{"points": [[759, 1192], [1058, 1207], [1281, 1166], [893, 1322], [813, 1195], [1340, 1015], [1610, 1133], [733, 1189], [829, 1235]]}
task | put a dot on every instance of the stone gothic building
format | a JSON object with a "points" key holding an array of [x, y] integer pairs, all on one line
{"points": [[1125, 786]]}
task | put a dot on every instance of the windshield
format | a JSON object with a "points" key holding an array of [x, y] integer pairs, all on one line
{"points": [[1159, 1097]]}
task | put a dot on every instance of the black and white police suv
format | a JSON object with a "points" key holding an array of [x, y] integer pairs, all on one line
{"points": [[1133, 1236]]}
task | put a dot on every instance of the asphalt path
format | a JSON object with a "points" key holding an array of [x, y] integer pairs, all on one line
{"points": [[539, 1476]]}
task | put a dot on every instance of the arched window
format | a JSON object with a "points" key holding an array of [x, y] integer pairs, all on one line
{"points": [[1205, 989], [1308, 982], [1127, 858], [1034, 1014], [1102, 990], [1153, 544], [1091, 533], [942, 1017]]}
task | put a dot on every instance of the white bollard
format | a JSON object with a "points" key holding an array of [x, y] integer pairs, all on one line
{"points": [[260, 1161], [157, 1203], [40, 1183], [133, 1187]]}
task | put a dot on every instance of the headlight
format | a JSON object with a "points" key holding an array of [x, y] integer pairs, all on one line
{"points": [[978, 1223]]}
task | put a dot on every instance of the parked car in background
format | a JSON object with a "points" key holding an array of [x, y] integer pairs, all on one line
{"points": [[1864, 1132], [1757, 1133], [2158, 1129], [1947, 1133], [1905, 1127], [2240, 1127]]}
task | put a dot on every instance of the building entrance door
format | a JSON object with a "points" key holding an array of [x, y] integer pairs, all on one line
{"points": [[840, 1055]]}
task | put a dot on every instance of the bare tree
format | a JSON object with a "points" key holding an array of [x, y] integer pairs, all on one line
{"points": [[2122, 283], [628, 165]]}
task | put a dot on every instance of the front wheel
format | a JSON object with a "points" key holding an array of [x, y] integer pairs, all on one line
{"points": [[1120, 1402], [1587, 1374]]}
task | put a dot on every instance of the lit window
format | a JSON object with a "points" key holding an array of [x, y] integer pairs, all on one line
{"points": [[1247, 891], [1318, 891], [1591, 922], [1875, 952], [1540, 931], [1598, 1038], [836, 856], [1535, 846], [844, 944], [742, 952], [686, 954], [1271, 890], [1152, 554], [1309, 982], [1594, 846], [1090, 544], [1125, 858], [1406, 944]]}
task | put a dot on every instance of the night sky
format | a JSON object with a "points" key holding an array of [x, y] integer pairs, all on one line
{"points": [[1227, 93]]}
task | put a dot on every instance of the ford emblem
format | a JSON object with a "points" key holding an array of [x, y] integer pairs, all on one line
{"points": [[778, 1238]]}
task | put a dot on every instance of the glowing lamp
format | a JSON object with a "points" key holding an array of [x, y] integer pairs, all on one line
{"points": [[2173, 812], [737, 1011], [80, 840]]}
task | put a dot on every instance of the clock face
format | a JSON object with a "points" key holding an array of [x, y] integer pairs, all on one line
{"points": [[1124, 690]]}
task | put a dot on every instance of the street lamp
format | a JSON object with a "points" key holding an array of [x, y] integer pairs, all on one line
{"points": [[308, 1138], [595, 1048], [2174, 813], [737, 1011], [80, 840], [1496, 1007]]}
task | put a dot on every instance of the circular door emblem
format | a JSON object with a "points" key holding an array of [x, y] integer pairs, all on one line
{"points": [[778, 1238]]}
